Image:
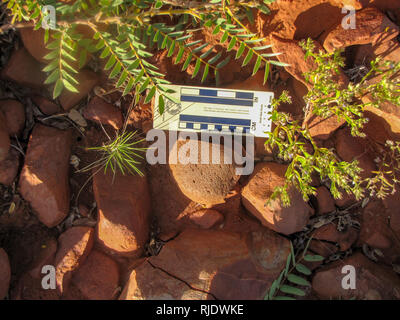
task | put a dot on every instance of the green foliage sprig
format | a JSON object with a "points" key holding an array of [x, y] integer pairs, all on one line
{"points": [[287, 278], [295, 145], [330, 96], [125, 32]]}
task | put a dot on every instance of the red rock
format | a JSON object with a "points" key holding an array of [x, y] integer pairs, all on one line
{"points": [[33, 41], [101, 111], [356, 4], [373, 281], [9, 167], [5, 274], [389, 50], [223, 264], [45, 256], [123, 206], [372, 26], [292, 53], [75, 245], [351, 148], [30, 288], [387, 111], [24, 70], [146, 282], [300, 19], [206, 218], [97, 278], [14, 113], [259, 189], [207, 184], [4, 138], [46, 106], [330, 233], [326, 203], [87, 80], [44, 177], [323, 128]]}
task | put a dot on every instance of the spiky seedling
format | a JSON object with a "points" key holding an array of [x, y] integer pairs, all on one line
{"points": [[121, 154]]}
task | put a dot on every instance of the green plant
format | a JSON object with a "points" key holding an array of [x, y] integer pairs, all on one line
{"points": [[287, 278], [119, 154], [328, 97], [126, 33], [295, 145]]}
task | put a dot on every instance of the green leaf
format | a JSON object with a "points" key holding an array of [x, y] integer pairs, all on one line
{"points": [[207, 53], [111, 61], [298, 280], [303, 269], [53, 77], [144, 85], [292, 290], [161, 104], [205, 73], [279, 63], [128, 87], [216, 30], [54, 64], [223, 63], [215, 58], [192, 43], [262, 47], [240, 51], [257, 65], [224, 37], [196, 68], [283, 298], [313, 258], [266, 73], [150, 95], [199, 48], [122, 78], [231, 44], [286, 270], [179, 55], [248, 58], [58, 88], [187, 62], [115, 71], [171, 49], [82, 58], [69, 86]]}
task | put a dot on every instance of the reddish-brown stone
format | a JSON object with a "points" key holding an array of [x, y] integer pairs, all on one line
{"points": [[372, 26], [274, 215], [123, 205], [5, 274], [97, 278], [4, 138], [14, 113], [373, 281], [87, 79], [24, 70], [206, 218], [9, 167], [101, 111], [213, 264], [44, 177], [75, 245], [326, 203], [46, 106]]}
